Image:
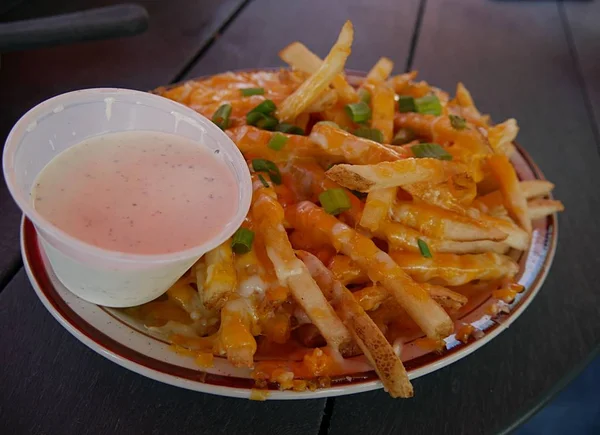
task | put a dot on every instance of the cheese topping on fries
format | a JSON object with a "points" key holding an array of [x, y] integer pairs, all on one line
{"points": [[380, 207]]}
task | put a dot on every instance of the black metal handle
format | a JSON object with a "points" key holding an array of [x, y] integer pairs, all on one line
{"points": [[101, 23]]}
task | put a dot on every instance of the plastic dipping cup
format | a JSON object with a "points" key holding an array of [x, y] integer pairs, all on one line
{"points": [[97, 275]]}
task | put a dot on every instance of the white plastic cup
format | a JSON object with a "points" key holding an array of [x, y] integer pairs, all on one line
{"points": [[97, 275]]}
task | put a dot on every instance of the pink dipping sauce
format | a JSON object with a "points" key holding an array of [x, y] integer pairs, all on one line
{"points": [[138, 192]]}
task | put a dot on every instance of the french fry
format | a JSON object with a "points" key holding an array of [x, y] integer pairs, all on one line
{"points": [[327, 99], [371, 297], [453, 270], [384, 105], [490, 202], [299, 57], [517, 238], [399, 82], [380, 71], [443, 224], [220, 281], [291, 272], [367, 335], [309, 177], [540, 208], [253, 143], [308, 91], [366, 178], [347, 271], [402, 237], [514, 200], [377, 207], [235, 337], [353, 149], [501, 137], [464, 101], [430, 317]]}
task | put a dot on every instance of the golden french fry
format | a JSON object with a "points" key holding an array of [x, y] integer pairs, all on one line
{"points": [[380, 71], [514, 200], [400, 82], [377, 207], [384, 106], [430, 317], [502, 136], [493, 203], [452, 269], [339, 143], [443, 224], [299, 57], [367, 335], [540, 208], [235, 337], [464, 101], [253, 142], [517, 238], [347, 271], [327, 99], [366, 178], [220, 281], [402, 237], [308, 91], [291, 272]]}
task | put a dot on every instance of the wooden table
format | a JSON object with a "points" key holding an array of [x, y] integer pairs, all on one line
{"points": [[535, 61]]}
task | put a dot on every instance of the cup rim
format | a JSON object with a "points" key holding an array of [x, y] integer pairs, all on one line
{"points": [[189, 115]]}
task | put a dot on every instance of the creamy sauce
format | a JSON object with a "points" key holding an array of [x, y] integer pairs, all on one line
{"points": [[138, 192]]}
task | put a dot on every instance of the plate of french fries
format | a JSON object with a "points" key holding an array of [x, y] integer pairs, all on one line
{"points": [[393, 230]]}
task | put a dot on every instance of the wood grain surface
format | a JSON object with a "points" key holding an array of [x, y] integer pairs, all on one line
{"points": [[515, 59], [53, 384], [178, 31]]}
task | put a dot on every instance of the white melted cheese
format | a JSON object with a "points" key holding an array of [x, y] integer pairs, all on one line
{"points": [[251, 285]]}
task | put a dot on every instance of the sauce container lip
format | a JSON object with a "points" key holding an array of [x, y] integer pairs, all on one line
{"points": [[180, 112]]}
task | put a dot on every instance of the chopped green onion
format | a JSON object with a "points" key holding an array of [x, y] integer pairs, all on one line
{"points": [[221, 116], [267, 107], [262, 165], [241, 242], [358, 112], [284, 127], [404, 135], [425, 252], [364, 95], [369, 133], [431, 150], [334, 201], [253, 117], [248, 92], [406, 104], [457, 122], [263, 181], [267, 123], [329, 123], [277, 142], [428, 105]]}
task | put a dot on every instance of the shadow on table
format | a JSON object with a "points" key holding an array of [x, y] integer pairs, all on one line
{"points": [[576, 410]]}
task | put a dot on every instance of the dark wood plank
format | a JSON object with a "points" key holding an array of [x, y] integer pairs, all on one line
{"points": [[53, 384], [266, 26], [582, 26], [178, 30], [515, 59]]}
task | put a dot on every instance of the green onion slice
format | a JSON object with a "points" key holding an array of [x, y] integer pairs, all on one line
{"points": [[334, 201], [248, 92], [369, 133], [221, 116], [364, 95], [277, 142], [262, 165], [428, 105], [267, 107], [425, 252], [241, 242], [457, 122], [404, 135], [406, 104], [359, 112], [284, 127], [267, 123], [431, 150], [263, 181]]}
